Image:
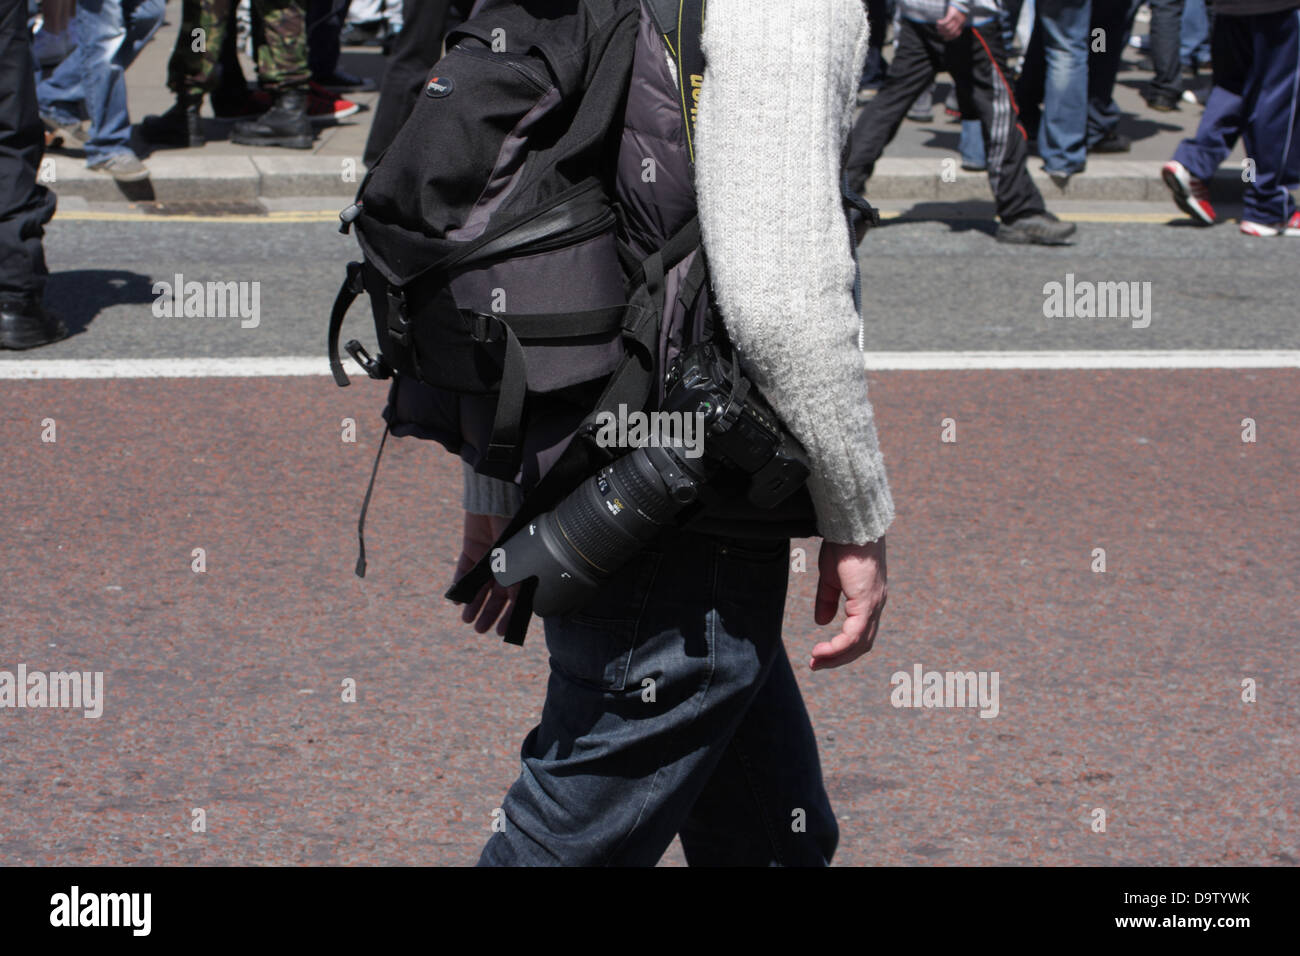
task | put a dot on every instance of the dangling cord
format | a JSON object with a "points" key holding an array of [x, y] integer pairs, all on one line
{"points": [[365, 505]]}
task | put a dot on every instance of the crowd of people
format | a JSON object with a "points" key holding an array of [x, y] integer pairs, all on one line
{"points": [[1030, 76], [1040, 75]]}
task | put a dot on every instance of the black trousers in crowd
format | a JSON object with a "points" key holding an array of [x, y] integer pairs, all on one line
{"points": [[417, 48], [977, 63], [25, 205]]}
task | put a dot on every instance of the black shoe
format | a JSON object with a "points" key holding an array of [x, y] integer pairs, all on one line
{"points": [[179, 126], [341, 81], [1040, 228], [1162, 102], [284, 124], [25, 324], [1112, 142]]}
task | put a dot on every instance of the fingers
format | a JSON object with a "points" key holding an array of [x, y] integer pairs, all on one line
{"points": [[470, 611], [827, 603], [856, 639]]}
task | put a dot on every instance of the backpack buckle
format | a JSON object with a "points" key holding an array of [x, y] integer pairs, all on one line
{"points": [[482, 325], [375, 368], [399, 326]]}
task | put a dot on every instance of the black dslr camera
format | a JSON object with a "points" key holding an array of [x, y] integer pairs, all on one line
{"points": [[612, 515]]}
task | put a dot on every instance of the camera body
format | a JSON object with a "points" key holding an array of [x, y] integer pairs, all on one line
{"points": [[607, 519]]}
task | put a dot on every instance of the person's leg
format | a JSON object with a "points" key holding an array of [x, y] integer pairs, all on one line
{"points": [[1114, 18], [1225, 111], [978, 67], [61, 95], [25, 205], [417, 48], [766, 802], [324, 24], [1194, 34], [101, 36], [649, 684], [1272, 102], [1166, 28], [282, 68], [191, 71], [1062, 133], [971, 145], [878, 18], [911, 73], [1032, 81]]}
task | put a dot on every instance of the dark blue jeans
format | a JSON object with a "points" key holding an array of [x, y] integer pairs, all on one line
{"points": [[672, 708]]}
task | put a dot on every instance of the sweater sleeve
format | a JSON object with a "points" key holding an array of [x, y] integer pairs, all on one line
{"points": [[775, 111]]}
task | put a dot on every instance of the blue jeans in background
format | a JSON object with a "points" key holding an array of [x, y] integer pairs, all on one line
{"points": [[1056, 75], [1194, 42], [671, 709], [110, 34]]}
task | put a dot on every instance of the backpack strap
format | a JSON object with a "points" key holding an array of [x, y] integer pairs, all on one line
{"points": [[681, 23]]}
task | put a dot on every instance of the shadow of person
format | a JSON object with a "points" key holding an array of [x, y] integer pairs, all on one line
{"points": [[78, 295]]}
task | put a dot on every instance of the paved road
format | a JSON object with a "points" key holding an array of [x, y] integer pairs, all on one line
{"points": [[1118, 690]]}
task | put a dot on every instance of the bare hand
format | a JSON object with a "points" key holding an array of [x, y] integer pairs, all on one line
{"points": [[953, 22], [492, 601], [856, 571]]}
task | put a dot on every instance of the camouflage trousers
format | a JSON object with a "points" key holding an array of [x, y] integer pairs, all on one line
{"points": [[281, 60]]}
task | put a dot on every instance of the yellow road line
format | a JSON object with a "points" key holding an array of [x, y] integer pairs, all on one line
{"points": [[86, 215]]}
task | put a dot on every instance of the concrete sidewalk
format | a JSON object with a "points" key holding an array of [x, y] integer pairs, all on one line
{"points": [[921, 164]]}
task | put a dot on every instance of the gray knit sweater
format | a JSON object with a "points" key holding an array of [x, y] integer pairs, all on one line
{"points": [[775, 111]]}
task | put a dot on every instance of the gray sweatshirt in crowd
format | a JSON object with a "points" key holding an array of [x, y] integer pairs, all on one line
{"points": [[775, 110]]}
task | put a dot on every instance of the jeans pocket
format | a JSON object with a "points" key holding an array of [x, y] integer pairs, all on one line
{"points": [[595, 644]]}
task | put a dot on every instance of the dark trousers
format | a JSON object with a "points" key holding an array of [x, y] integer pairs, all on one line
{"points": [[324, 24], [417, 48], [672, 708], [1115, 19], [976, 62], [1256, 75], [1166, 35], [25, 205]]}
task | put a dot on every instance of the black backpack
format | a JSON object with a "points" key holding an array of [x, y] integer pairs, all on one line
{"points": [[517, 293]]}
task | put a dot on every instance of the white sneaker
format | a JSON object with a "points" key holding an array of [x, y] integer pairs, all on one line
{"points": [[1261, 229]]}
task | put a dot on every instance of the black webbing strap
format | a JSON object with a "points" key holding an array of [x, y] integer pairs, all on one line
{"points": [[558, 325], [505, 446], [365, 506], [351, 288], [674, 251]]}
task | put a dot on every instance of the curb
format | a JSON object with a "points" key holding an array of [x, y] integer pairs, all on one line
{"points": [[251, 177]]}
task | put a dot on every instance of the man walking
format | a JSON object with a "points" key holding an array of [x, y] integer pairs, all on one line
{"points": [[935, 35]]}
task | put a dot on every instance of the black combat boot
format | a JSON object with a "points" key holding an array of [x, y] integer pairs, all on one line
{"points": [[284, 124], [179, 126]]}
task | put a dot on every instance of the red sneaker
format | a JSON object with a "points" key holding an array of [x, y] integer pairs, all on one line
{"points": [[324, 107], [1293, 225], [1191, 195]]}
